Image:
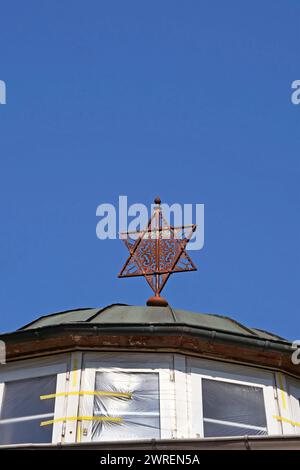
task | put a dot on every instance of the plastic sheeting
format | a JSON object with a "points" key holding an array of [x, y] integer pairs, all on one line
{"points": [[22, 411], [138, 407], [232, 409]]}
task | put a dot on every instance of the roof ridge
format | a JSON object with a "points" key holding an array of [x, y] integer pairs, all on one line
{"points": [[173, 313], [250, 330], [55, 313], [105, 308], [268, 333]]}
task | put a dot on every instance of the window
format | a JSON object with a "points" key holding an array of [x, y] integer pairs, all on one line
{"points": [[22, 410], [126, 406], [231, 409], [125, 396]]}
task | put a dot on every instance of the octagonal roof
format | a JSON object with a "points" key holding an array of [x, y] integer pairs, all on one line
{"points": [[121, 314]]}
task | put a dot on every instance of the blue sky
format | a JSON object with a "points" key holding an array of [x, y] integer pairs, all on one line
{"points": [[188, 100]]}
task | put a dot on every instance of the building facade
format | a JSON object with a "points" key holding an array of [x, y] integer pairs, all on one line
{"points": [[125, 376]]}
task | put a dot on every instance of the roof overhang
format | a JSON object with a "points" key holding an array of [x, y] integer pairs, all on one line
{"points": [[180, 338], [227, 443]]}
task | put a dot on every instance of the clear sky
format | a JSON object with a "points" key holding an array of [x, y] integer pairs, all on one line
{"points": [[188, 100]]}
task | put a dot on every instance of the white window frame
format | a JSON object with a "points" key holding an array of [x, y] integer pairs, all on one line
{"points": [[294, 393], [128, 364], [235, 374], [21, 371]]}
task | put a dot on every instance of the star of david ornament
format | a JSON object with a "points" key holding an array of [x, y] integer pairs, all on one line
{"points": [[157, 252]]}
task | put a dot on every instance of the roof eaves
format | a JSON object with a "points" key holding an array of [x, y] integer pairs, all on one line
{"points": [[151, 328]]}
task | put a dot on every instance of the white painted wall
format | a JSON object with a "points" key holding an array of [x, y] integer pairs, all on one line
{"points": [[180, 389]]}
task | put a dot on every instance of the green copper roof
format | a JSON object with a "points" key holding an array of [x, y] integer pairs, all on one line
{"points": [[118, 314]]}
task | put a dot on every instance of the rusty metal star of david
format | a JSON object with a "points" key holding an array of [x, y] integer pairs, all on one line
{"points": [[157, 252]]}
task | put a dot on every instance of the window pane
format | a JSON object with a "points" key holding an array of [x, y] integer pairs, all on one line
{"points": [[21, 405], [136, 427], [25, 432], [22, 397], [138, 408], [221, 430], [237, 403]]}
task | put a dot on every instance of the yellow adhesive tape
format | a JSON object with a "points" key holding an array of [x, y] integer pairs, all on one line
{"points": [[82, 418], [282, 391], [286, 420], [83, 392]]}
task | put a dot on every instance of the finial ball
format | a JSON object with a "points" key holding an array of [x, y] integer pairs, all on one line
{"points": [[157, 200]]}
